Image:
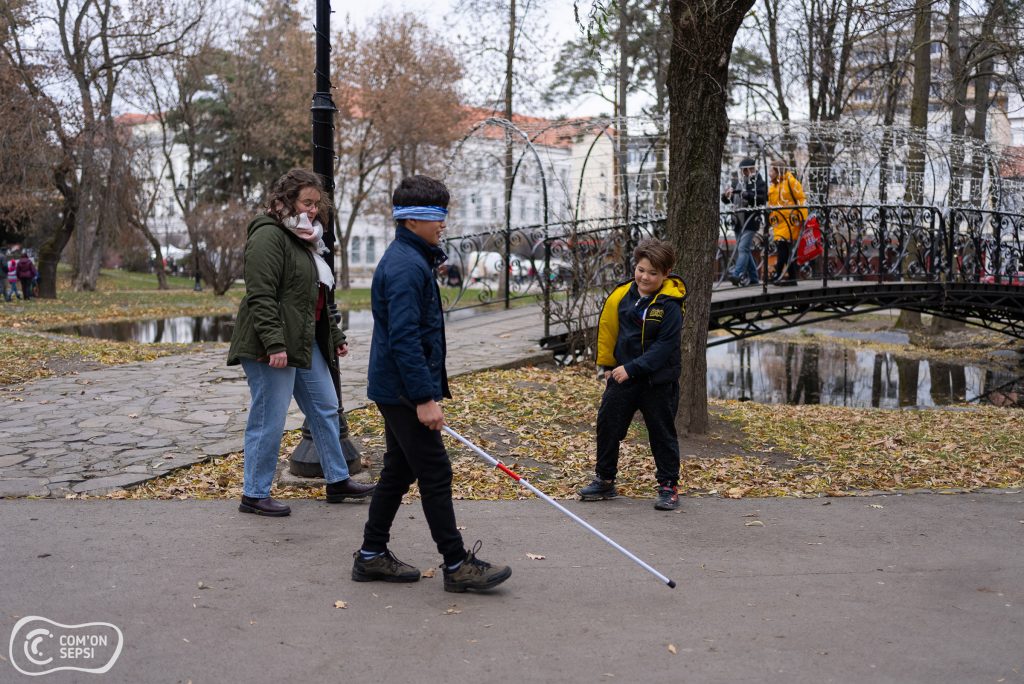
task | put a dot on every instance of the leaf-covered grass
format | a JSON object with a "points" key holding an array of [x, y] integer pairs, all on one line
{"points": [[540, 421], [119, 296], [32, 356]]}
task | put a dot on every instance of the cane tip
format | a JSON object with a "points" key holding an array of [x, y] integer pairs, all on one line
{"points": [[671, 584]]}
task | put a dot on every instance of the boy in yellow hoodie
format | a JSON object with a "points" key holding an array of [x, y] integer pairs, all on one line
{"points": [[638, 348]]}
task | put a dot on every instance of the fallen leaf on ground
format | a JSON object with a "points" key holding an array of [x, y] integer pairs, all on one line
{"points": [[452, 610], [534, 556], [672, 649], [340, 604], [428, 573], [754, 523]]}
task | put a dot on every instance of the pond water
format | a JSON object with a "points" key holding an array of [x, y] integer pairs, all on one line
{"points": [[186, 329], [766, 370], [777, 371]]}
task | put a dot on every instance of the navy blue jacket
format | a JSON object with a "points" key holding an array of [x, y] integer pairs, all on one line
{"points": [[642, 334], [408, 348]]}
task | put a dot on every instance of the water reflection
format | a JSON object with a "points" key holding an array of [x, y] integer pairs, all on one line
{"points": [[771, 371], [186, 329], [182, 329]]}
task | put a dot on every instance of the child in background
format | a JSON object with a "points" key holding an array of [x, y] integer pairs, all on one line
{"points": [[638, 347]]}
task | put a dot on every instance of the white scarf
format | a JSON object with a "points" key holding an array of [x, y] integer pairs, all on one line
{"points": [[313, 234]]}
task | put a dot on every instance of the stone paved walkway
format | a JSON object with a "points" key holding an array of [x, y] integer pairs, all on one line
{"points": [[110, 428]]}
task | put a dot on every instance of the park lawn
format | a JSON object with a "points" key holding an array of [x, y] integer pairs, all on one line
{"points": [[31, 356], [27, 353], [540, 421]]}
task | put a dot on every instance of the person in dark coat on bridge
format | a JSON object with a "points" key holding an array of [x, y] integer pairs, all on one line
{"points": [[748, 190]]}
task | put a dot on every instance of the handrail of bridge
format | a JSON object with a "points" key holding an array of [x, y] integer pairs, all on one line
{"points": [[568, 266]]}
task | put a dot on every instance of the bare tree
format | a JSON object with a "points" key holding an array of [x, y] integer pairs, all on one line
{"points": [[97, 43], [27, 155], [383, 67], [220, 227]]}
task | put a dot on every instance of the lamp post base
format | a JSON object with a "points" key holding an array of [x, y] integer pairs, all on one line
{"points": [[305, 461]]}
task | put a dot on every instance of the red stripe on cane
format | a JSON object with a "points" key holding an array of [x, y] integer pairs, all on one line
{"points": [[504, 469]]}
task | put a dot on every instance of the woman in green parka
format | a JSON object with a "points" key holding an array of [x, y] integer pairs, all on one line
{"points": [[286, 341]]}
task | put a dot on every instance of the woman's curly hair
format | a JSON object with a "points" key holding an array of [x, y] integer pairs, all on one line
{"points": [[284, 193]]}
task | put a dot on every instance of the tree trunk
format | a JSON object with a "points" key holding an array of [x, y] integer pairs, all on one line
{"points": [[919, 101], [159, 266], [982, 85], [702, 38], [53, 247], [958, 106], [622, 132], [503, 280], [919, 123]]}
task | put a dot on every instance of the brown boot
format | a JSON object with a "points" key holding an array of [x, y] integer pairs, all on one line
{"points": [[348, 489], [267, 506]]}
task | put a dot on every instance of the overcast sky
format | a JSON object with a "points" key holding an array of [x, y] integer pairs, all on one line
{"points": [[558, 17]]}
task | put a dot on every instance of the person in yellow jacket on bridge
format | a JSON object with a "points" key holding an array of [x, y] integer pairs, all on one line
{"points": [[785, 191]]}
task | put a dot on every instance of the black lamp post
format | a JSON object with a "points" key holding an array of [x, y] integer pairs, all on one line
{"points": [[304, 460], [189, 197]]}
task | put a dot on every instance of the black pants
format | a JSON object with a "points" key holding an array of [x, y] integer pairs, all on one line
{"points": [[413, 453], [783, 249], [657, 404]]}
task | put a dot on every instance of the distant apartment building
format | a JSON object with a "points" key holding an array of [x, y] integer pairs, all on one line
{"points": [[566, 172], [161, 174]]}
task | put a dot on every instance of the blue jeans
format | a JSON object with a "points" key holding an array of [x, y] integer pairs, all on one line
{"points": [[272, 390], [745, 265]]}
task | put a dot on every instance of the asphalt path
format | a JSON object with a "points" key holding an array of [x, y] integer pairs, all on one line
{"points": [[916, 588]]}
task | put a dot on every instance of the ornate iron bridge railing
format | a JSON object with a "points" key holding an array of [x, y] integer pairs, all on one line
{"points": [[569, 266]]}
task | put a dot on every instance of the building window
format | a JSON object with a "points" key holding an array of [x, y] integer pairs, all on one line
{"points": [[478, 207], [494, 208], [371, 250], [356, 245]]}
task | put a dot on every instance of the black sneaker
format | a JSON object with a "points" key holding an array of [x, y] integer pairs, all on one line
{"points": [[384, 567], [598, 490], [474, 574], [668, 498]]}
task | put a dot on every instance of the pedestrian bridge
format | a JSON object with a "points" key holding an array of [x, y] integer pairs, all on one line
{"points": [[962, 264], [746, 312]]}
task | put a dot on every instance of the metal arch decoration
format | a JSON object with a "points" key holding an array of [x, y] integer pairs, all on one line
{"points": [[515, 277]]}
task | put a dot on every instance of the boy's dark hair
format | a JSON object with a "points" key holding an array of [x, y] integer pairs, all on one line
{"points": [[420, 191], [661, 254]]}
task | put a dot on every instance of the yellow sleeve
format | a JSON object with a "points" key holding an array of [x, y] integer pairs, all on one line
{"points": [[608, 327]]}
